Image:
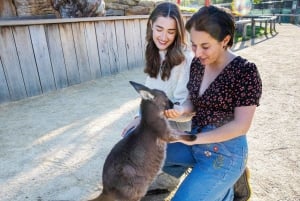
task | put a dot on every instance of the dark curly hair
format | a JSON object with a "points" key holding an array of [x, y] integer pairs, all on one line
{"points": [[216, 21]]}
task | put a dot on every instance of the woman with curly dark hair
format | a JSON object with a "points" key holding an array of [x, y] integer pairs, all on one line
{"points": [[224, 91]]}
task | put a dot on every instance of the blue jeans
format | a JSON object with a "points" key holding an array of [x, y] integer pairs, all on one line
{"points": [[215, 168]]}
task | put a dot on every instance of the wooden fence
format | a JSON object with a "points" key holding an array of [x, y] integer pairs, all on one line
{"points": [[38, 56]]}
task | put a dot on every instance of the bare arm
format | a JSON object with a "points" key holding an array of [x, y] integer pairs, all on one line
{"points": [[238, 126]]}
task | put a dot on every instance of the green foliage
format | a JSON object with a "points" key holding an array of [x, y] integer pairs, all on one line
{"points": [[259, 31], [191, 3], [256, 1], [188, 9]]}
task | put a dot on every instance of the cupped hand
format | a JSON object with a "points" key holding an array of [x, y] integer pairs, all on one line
{"points": [[177, 111]]}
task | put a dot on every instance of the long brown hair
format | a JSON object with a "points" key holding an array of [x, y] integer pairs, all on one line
{"points": [[174, 55]]}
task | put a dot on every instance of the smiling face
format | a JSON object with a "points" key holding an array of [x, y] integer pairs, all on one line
{"points": [[207, 48], [164, 31]]}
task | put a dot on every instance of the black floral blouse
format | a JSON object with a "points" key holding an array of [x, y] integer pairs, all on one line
{"points": [[239, 84]]}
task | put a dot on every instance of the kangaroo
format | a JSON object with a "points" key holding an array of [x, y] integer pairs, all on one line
{"points": [[134, 161]]}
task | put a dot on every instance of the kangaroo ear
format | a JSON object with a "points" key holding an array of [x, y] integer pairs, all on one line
{"points": [[144, 91], [146, 95]]}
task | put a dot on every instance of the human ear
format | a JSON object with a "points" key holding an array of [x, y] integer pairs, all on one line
{"points": [[226, 40]]}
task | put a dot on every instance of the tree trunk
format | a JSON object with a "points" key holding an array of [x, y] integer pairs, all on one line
{"points": [[34, 7], [79, 8], [7, 8]]}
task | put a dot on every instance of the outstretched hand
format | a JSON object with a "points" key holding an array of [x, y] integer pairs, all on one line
{"points": [[176, 112]]}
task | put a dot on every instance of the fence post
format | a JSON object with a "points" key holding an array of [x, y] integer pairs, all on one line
{"points": [[271, 27], [253, 27], [244, 31]]}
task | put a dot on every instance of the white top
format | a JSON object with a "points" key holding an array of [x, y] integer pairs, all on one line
{"points": [[175, 86]]}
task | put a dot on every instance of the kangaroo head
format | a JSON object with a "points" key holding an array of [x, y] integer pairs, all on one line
{"points": [[158, 98]]}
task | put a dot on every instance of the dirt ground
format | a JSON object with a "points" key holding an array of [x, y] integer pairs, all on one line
{"points": [[52, 147]]}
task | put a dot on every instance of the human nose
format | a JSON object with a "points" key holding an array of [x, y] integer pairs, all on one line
{"points": [[163, 36], [197, 51]]}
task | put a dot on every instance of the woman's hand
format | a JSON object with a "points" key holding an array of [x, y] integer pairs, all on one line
{"points": [[189, 143], [182, 137], [133, 124], [176, 112]]}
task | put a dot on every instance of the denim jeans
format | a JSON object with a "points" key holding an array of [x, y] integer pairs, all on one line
{"points": [[214, 168], [183, 126]]}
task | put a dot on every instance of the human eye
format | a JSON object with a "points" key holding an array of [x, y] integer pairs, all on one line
{"points": [[205, 47], [158, 28], [194, 47], [172, 32]]}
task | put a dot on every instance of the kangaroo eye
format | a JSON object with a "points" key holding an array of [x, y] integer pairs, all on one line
{"points": [[171, 104]]}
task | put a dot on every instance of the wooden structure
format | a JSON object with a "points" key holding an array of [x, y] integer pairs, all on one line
{"points": [[38, 56]]}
